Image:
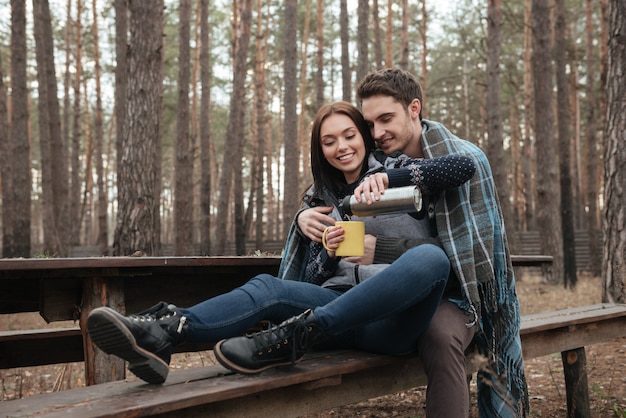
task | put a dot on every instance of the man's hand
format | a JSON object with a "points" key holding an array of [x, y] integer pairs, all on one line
{"points": [[368, 255], [313, 221], [372, 187]]}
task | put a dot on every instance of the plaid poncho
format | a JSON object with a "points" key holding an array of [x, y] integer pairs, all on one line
{"points": [[471, 229]]}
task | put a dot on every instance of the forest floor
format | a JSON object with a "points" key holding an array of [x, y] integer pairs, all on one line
{"points": [[606, 366]]}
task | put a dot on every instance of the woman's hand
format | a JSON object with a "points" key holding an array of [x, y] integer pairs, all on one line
{"points": [[334, 236], [313, 221], [371, 188]]}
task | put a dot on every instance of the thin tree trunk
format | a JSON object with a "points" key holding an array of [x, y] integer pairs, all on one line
{"points": [[235, 138], [183, 189], [424, 80], [291, 175], [51, 243], [302, 117], [319, 57], [121, 80], [378, 47], [5, 168], [75, 184], [346, 72], [262, 33], [593, 228], [205, 131], [494, 115], [614, 213], [19, 242], [564, 138], [389, 36], [549, 197], [102, 239], [404, 37], [529, 148]]}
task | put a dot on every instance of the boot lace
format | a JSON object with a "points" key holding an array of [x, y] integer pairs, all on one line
{"points": [[159, 312], [292, 334]]}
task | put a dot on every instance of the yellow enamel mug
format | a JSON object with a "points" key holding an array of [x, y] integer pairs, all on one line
{"points": [[353, 243]]}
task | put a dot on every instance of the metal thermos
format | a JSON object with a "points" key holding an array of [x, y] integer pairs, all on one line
{"points": [[397, 200]]}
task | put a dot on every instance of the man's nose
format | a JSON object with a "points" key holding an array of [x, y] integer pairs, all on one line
{"points": [[377, 131]]}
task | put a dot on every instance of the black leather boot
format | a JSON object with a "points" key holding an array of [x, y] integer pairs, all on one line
{"points": [[146, 340], [281, 345]]}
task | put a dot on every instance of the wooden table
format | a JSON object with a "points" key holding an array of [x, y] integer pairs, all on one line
{"points": [[55, 287]]}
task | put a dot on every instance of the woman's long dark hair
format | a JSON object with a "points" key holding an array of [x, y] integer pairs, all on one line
{"points": [[324, 174]]}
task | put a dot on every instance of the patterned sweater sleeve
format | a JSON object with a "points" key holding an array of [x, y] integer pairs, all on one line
{"points": [[432, 175], [320, 266]]}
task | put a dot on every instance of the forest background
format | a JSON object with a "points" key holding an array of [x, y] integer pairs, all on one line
{"points": [[136, 125]]}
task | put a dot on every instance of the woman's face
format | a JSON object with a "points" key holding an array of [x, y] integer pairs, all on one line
{"points": [[342, 145]]}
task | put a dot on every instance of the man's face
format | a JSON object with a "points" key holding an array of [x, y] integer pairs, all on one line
{"points": [[394, 127]]}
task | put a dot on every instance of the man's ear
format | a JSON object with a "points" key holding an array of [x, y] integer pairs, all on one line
{"points": [[414, 108]]}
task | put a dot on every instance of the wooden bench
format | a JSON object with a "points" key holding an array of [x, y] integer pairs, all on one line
{"points": [[322, 380], [54, 288]]}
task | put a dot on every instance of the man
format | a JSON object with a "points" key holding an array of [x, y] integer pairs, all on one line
{"points": [[481, 305]]}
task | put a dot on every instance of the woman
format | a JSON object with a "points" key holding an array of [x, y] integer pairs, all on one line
{"points": [[340, 151]]}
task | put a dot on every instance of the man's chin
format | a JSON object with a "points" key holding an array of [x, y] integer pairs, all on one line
{"points": [[388, 149]]}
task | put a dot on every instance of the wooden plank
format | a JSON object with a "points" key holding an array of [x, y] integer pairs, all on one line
{"points": [[542, 343], [191, 388], [570, 317], [530, 260], [39, 347]]}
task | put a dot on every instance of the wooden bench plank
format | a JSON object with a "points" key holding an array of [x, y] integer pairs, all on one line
{"points": [[187, 389], [323, 380], [39, 347], [569, 329]]}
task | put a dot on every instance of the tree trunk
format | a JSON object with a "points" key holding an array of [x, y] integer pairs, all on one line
{"points": [[564, 139], [205, 131], [303, 142], [529, 148], [51, 140], [19, 243], [424, 80], [495, 145], [404, 37], [75, 154], [183, 190], [5, 167], [231, 169], [346, 72], [262, 34], [593, 228], [51, 243], [121, 79], [102, 239], [548, 193], [614, 258], [137, 224], [319, 57], [291, 176], [378, 46], [389, 36]]}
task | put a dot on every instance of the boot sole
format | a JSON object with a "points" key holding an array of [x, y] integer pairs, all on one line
{"points": [[217, 351], [113, 337]]}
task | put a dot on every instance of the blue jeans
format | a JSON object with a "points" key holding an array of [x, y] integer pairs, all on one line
{"points": [[386, 313]]}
